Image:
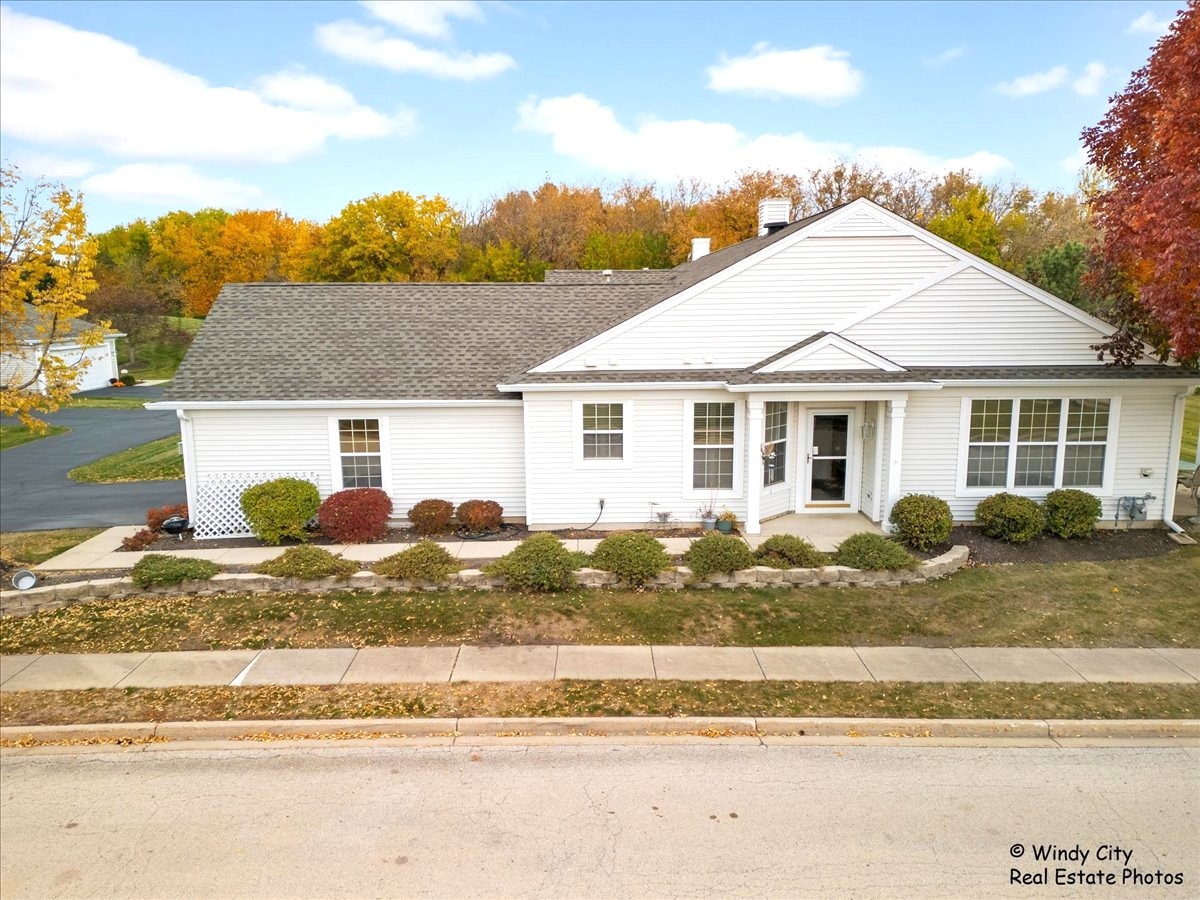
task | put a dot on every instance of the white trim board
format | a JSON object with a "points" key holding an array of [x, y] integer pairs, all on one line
{"points": [[857, 352]]}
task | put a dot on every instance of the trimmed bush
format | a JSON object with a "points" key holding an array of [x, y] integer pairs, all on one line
{"points": [[157, 570], [480, 516], [538, 563], [140, 540], [635, 557], [156, 516], [308, 564], [787, 551], [431, 516], [873, 551], [1008, 517], [355, 516], [716, 552], [423, 561], [922, 521], [280, 509], [1072, 513]]}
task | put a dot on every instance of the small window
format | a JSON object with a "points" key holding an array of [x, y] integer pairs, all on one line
{"points": [[775, 437], [712, 446], [987, 454], [603, 431], [358, 443], [1087, 434]]}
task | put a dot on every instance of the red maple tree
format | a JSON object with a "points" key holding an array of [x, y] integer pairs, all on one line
{"points": [[1148, 145]]}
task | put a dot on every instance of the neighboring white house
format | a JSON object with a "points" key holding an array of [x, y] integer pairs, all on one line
{"points": [[94, 366], [831, 365]]}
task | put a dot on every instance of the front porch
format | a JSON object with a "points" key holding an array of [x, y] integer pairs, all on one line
{"points": [[823, 531]]}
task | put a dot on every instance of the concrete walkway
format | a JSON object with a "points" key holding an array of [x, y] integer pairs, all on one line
{"points": [[415, 665]]}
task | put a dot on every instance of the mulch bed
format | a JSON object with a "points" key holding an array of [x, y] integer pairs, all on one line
{"points": [[1102, 546]]}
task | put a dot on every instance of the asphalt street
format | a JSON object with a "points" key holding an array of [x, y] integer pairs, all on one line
{"points": [[35, 492], [597, 821]]}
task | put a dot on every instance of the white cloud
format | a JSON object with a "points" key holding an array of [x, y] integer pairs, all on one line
{"points": [[818, 73], [52, 166], [304, 91], [1088, 84], [586, 130], [168, 184], [84, 100], [372, 46], [898, 159], [945, 57], [1073, 162], [428, 18], [1037, 83], [1148, 23]]}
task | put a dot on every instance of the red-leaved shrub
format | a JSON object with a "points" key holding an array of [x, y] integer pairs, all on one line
{"points": [[480, 516], [156, 517], [142, 539], [355, 516], [431, 516]]}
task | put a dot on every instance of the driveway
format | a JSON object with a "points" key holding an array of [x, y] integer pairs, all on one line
{"points": [[36, 494]]}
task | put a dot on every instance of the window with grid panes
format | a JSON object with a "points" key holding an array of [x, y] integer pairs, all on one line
{"points": [[775, 436], [712, 446], [987, 450], [603, 431], [1086, 443], [358, 443]]}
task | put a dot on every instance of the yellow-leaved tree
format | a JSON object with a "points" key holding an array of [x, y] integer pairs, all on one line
{"points": [[46, 262]]}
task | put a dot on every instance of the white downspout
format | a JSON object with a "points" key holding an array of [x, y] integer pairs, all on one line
{"points": [[1171, 488]]}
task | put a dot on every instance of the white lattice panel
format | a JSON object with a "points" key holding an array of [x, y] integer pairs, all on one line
{"points": [[220, 500]]}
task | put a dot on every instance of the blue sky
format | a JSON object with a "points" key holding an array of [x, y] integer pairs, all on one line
{"points": [[149, 107]]}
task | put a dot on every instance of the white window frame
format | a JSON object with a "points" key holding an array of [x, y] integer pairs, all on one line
{"points": [[335, 450], [1064, 398], [627, 443], [739, 450]]}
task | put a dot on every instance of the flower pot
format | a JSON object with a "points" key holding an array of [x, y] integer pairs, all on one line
{"points": [[724, 527], [707, 523]]}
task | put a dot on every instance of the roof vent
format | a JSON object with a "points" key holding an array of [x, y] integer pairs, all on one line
{"points": [[701, 247], [607, 273], [774, 213]]}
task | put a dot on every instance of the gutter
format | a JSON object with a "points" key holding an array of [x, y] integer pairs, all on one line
{"points": [[321, 404]]}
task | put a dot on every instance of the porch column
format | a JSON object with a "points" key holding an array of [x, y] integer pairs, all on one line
{"points": [[895, 456], [754, 464]]}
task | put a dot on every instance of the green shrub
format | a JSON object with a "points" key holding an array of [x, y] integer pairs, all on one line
{"points": [[922, 521], [431, 516], [635, 557], [308, 564], [423, 561], [157, 570], [787, 551], [1008, 517], [280, 509], [1071, 513], [873, 551], [716, 552], [539, 563]]}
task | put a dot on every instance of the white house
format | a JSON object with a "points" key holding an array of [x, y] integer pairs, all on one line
{"points": [[94, 366], [830, 365]]}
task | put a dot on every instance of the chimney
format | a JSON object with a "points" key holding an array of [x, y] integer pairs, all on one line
{"points": [[700, 247], [773, 213]]}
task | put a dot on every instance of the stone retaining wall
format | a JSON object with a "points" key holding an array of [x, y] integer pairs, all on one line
{"points": [[52, 596]]}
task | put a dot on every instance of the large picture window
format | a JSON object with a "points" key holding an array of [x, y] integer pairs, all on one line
{"points": [[775, 437], [712, 446], [1037, 443], [359, 447], [603, 431]]}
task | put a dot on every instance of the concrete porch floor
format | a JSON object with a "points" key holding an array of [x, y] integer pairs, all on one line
{"points": [[823, 530]]}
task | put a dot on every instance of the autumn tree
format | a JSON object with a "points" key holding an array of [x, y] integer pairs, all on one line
{"points": [[1148, 145], [969, 223], [388, 237], [46, 260]]}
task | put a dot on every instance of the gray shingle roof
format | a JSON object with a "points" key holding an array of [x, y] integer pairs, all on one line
{"points": [[615, 276]]}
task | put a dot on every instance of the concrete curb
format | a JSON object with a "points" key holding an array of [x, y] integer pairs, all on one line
{"points": [[1031, 732]]}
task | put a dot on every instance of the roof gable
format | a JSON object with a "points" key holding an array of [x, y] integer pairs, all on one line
{"points": [[825, 352]]}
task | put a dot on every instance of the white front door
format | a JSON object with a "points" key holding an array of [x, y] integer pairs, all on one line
{"points": [[828, 473]]}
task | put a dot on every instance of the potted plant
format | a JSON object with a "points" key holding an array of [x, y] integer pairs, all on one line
{"points": [[707, 514], [725, 521]]}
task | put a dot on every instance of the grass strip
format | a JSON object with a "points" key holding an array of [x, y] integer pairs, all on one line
{"points": [[108, 402], [1130, 603], [16, 435], [28, 548], [155, 461], [605, 698]]}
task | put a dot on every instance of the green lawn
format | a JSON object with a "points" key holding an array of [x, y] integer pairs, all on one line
{"points": [[155, 461], [1191, 428], [16, 435], [28, 548], [1131, 603], [107, 402], [159, 357]]}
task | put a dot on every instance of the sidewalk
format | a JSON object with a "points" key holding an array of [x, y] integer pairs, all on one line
{"points": [[415, 665], [104, 551]]}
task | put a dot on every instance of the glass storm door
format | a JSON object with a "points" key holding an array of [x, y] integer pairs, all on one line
{"points": [[828, 458]]}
